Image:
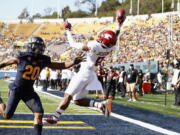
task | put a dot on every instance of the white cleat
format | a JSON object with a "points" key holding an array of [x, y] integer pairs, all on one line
{"points": [[130, 100], [49, 120]]}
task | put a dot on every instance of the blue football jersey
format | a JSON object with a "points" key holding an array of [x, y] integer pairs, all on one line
{"points": [[28, 70]]}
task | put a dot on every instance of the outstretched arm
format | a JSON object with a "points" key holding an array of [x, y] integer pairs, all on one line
{"points": [[120, 18], [72, 42], [65, 65], [9, 62]]}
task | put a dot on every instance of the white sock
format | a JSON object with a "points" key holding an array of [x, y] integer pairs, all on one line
{"points": [[57, 114], [98, 104], [91, 103]]}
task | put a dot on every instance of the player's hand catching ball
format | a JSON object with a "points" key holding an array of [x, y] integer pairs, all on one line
{"points": [[67, 25], [120, 16]]}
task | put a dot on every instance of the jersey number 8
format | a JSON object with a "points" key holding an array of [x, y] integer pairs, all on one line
{"points": [[31, 73]]}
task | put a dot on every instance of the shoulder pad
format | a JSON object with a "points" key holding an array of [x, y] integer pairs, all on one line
{"points": [[21, 54], [47, 58], [17, 54]]}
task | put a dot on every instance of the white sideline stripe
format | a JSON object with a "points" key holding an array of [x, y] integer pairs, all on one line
{"points": [[130, 120], [23, 113], [49, 94], [62, 98], [145, 125]]}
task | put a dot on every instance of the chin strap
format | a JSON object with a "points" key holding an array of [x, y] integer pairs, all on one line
{"points": [[73, 43]]}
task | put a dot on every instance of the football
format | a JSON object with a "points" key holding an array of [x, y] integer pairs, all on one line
{"points": [[67, 25], [120, 15]]}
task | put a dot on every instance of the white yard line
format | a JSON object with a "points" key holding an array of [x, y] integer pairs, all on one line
{"points": [[130, 120]]}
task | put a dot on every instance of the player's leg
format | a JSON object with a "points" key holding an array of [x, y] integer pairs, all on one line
{"points": [[104, 106], [123, 89], [2, 106], [176, 97], [33, 102], [61, 108], [94, 84], [55, 84], [108, 89], [13, 100], [97, 94], [38, 123], [129, 92], [77, 84], [133, 92], [65, 102], [113, 90], [79, 98]]}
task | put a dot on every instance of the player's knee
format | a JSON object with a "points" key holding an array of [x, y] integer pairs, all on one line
{"points": [[77, 102], [67, 97]]}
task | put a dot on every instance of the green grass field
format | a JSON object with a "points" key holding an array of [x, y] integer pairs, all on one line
{"points": [[155, 103], [151, 102], [49, 103]]}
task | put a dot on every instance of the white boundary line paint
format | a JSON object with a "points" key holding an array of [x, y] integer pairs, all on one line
{"points": [[130, 120], [145, 125], [48, 93], [58, 97], [51, 113]]}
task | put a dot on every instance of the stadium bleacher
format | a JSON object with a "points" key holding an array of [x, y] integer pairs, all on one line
{"points": [[26, 29], [141, 38], [50, 31]]}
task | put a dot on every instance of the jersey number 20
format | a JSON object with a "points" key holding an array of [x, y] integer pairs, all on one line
{"points": [[31, 73]]}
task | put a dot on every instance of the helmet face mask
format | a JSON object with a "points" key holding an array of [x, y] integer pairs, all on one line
{"points": [[38, 49], [36, 46], [107, 38]]}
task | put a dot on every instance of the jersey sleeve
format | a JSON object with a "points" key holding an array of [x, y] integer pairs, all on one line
{"points": [[47, 61], [20, 55], [93, 47], [17, 54]]}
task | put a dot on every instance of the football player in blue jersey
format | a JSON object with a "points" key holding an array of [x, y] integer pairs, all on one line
{"points": [[29, 66]]}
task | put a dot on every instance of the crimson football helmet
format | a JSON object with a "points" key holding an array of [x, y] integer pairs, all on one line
{"points": [[108, 38]]}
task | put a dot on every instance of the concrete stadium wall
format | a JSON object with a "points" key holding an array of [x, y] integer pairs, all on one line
{"points": [[77, 20]]}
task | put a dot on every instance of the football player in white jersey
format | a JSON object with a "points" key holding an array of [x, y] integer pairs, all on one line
{"points": [[86, 78]]}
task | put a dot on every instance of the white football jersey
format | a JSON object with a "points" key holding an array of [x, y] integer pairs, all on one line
{"points": [[95, 54]]}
